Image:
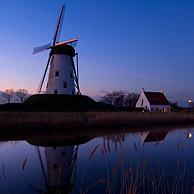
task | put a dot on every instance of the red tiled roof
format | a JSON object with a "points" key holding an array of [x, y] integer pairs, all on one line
{"points": [[156, 98]]}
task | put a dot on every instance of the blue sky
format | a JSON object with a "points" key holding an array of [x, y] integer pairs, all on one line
{"points": [[124, 44]]}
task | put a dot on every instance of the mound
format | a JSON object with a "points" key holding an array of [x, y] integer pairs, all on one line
{"points": [[61, 102]]}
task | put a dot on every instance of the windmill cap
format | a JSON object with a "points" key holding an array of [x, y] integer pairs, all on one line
{"points": [[63, 49]]}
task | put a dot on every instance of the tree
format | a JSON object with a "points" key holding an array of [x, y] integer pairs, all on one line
{"points": [[131, 99], [107, 98], [7, 96], [21, 95], [174, 106], [115, 98], [120, 98]]}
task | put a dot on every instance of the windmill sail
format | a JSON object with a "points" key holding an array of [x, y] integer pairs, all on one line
{"points": [[76, 76], [69, 41], [44, 75], [59, 26], [41, 48]]}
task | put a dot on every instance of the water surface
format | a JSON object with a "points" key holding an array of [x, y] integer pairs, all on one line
{"points": [[144, 161]]}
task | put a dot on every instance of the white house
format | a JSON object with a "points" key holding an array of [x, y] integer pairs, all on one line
{"points": [[153, 102]]}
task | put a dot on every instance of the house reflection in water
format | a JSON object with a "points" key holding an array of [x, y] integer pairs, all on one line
{"points": [[153, 136]]}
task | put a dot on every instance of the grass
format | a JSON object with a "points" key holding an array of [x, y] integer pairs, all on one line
{"points": [[78, 120], [121, 177], [142, 179]]}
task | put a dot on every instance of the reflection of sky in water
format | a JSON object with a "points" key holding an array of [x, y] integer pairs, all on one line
{"points": [[172, 154], [13, 178]]}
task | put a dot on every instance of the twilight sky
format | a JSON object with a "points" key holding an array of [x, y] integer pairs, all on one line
{"points": [[124, 44]]}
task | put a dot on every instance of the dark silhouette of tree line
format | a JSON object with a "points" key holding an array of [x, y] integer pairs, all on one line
{"points": [[120, 98], [13, 96], [115, 98]]}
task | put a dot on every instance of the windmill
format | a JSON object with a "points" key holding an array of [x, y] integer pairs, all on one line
{"points": [[63, 73]]}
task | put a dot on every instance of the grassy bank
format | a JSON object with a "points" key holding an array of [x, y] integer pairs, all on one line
{"points": [[74, 120]]}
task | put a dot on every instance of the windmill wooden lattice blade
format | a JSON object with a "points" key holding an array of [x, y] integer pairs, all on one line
{"points": [[41, 48], [58, 26], [69, 41], [44, 75]]}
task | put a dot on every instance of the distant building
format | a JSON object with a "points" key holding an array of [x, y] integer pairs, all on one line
{"points": [[153, 102]]}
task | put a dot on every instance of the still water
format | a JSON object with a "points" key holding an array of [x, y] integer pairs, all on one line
{"points": [[142, 161]]}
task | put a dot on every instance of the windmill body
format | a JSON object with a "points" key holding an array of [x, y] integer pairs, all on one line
{"points": [[61, 79], [63, 75]]}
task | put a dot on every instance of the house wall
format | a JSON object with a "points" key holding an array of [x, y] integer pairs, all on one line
{"points": [[143, 102], [160, 108]]}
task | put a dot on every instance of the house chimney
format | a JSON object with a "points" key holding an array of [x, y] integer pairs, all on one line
{"points": [[162, 91]]}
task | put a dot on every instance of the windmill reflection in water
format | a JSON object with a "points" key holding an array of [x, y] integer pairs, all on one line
{"points": [[57, 159]]}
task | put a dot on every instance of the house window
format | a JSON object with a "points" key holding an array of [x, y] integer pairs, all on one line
{"points": [[55, 91], [142, 103], [71, 74], [166, 110], [64, 84], [57, 74]]}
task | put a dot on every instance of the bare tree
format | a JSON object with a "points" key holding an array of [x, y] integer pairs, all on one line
{"points": [[107, 98], [115, 98], [21, 95], [1, 100], [7, 96], [131, 99], [120, 98]]}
